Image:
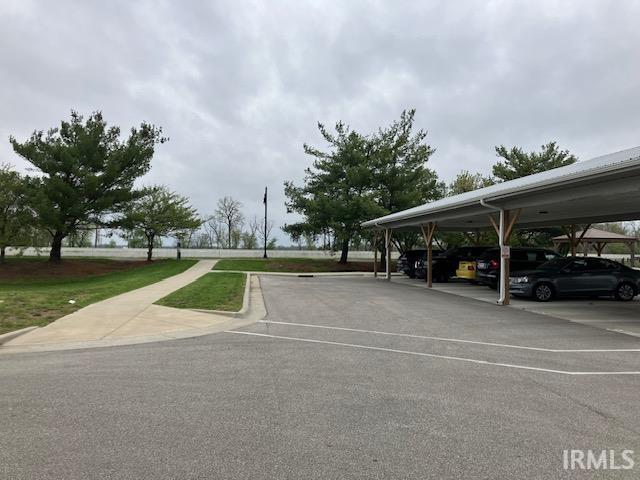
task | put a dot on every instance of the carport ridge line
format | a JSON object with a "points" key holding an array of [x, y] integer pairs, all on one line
{"points": [[444, 339], [431, 355]]}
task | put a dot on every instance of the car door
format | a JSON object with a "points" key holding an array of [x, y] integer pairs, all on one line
{"points": [[601, 276], [572, 278]]}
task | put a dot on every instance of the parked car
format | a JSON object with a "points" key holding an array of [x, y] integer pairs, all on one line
{"points": [[446, 263], [407, 262], [522, 258], [576, 276], [467, 270]]}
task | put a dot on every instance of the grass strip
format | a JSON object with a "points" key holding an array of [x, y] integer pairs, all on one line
{"points": [[213, 291]]}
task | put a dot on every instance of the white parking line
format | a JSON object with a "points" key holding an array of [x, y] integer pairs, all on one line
{"points": [[456, 340], [431, 355]]}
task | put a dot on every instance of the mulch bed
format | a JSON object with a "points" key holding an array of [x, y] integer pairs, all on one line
{"points": [[37, 269]]}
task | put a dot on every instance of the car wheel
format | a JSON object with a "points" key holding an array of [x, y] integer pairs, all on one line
{"points": [[493, 286], [625, 292], [543, 292]]}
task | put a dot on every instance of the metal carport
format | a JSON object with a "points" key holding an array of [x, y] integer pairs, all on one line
{"points": [[603, 189]]}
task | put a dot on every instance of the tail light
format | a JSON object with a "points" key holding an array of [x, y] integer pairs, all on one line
{"points": [[493, 265]]}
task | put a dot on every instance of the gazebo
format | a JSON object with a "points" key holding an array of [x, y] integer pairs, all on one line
{"points": [[598, 239]]}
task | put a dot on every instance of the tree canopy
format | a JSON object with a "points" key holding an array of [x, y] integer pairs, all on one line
{"points": [[86, 171], [337, 191], [361, 177], [16, 216], [518, 163], [401, 177], [466, 181], [159, 212]]}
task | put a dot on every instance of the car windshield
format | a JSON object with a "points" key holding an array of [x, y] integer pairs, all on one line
{"points": [[554, 264]]}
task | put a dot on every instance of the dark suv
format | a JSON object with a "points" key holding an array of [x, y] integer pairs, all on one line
{"points": [[446, 263], [407, 262], [522, 258]]}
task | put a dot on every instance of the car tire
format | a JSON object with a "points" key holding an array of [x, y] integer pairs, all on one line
{"points": [[493, 286], [625, 292], [543, 292]]}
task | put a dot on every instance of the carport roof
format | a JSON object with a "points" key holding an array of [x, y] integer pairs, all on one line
{"points": [[605, 188]]}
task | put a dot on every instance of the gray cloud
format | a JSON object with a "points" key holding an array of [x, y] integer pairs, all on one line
{"points": [[239, 85]]}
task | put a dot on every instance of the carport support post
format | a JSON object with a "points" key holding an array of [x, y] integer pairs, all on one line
{"points": [[375, 254], [428, 240], [507, 222], [387, 244]]}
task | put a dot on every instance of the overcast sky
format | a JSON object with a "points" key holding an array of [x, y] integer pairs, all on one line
{"points": [[239, 86]]}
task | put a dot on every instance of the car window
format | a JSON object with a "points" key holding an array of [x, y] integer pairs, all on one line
{"points": [[577, 266], [551, 255], [599, 264], [518, 255], [544, 256], [553, 264]]}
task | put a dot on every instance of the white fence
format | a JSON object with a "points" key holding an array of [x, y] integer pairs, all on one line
{"points": [[124, 252], [128, 253]]}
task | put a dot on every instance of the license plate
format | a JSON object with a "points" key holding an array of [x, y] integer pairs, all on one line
{"points": [[482, 265]]}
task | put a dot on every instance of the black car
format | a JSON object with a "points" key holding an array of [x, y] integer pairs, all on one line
{"points": [[407, 262], [446, 263], [522, 258], [576, 276]]}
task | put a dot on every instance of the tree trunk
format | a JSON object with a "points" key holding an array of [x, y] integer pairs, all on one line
{"points": [[345, 251], [55, 255], [2, 250], [149, 247], [229, 240]]}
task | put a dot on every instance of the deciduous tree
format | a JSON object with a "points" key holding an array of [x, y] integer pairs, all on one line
{"points": [[466, 181], [158, 213], [229, 211]]}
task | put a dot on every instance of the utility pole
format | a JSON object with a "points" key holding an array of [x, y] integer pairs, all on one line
{"points": [[264, 227]]}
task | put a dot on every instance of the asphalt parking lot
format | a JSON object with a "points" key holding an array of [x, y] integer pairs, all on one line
{"points": [[345, 378], [602, 312]]}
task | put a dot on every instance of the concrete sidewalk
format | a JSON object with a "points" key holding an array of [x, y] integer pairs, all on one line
{"points": [[131, 318]]}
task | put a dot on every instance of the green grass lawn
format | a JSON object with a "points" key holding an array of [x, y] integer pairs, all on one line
{"points": [[33, 298], [214, 291], [293, 265]]}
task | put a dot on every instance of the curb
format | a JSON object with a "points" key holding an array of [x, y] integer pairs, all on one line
{"points": [[5, 337], [314, 274]]}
